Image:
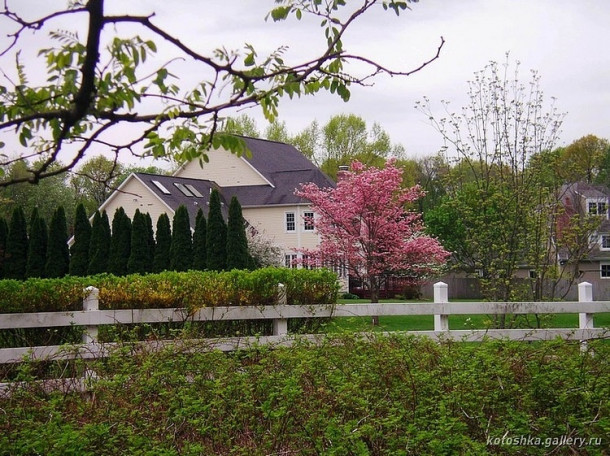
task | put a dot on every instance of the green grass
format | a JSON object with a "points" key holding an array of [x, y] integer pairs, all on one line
{"points": [[456, 322]]}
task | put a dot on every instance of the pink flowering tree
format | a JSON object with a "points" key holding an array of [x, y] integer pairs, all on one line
{"points": [[366, 223]]}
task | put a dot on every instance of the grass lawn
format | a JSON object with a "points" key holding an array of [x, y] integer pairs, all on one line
{"points": [[426, 322]]}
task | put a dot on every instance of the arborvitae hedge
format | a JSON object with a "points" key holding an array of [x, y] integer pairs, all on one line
{"points": [[237, 242], [192, 290], [79, 252], [120, 243], [3, 236], [150, 242], [139, 261], [181, 250], [199, 242], [216, 235], [37, 246], [100, 244], [163, 244], [15, 259], [58, 255]]}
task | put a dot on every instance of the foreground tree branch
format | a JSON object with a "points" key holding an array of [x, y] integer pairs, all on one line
{"points": [[92, 90]]}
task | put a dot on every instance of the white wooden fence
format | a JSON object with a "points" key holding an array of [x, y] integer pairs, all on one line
{"points": [[91, 318]]}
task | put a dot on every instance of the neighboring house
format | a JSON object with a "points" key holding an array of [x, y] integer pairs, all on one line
{"points": [[593, 255], [263, 181]]}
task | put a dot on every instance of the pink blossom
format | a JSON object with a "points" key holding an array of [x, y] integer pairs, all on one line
{"points": [[365, 223]]}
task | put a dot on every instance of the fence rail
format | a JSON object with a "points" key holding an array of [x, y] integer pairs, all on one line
{"points": [[91, 318]]}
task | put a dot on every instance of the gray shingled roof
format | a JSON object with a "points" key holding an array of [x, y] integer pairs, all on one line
{"points": [[175, 198], [281, 164]]}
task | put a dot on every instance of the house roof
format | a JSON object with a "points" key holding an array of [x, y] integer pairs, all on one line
{"points": [[282, 165], [170, 191]]}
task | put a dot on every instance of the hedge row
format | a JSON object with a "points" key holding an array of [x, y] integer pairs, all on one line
{"points": [[192, 290]]}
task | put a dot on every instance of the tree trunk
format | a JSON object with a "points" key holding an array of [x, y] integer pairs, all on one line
{"points": [[374, 286]]}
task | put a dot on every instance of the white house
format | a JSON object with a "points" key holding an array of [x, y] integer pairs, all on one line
{"points": [[263, 181]]}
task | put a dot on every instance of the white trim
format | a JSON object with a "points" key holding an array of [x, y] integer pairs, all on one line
{"points": [[601, 264], [313, 218], [294, 221]]}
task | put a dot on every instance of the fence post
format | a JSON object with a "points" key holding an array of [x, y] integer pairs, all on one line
{"points": [[441, 296], [280, 325], [91, 302], [585, 320]]}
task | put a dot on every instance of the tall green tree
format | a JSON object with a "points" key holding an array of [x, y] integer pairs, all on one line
{"points": [[45, 196], [505, 213], [3, 236], [15, 259], [243, 125], [163, 244], [79, 252], [120, 243], [139, 259], [216, 235], [150, 242], [181, 250], [58, 254], [199, 242], [99, 248], [95, 180], [237, 242], [98, 88], [37, 246]]}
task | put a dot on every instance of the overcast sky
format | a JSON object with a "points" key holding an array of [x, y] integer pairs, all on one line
{"points": [[566, 41]]}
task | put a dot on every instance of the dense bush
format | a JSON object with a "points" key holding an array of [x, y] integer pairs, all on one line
{"points": [[347, 396], [192, 289]]}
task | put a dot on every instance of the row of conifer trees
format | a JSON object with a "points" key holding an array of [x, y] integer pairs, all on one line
{"points": [[129, 246]]}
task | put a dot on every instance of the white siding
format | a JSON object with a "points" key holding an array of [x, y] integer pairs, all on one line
{"points": [[135, 195], [271, 223], [224, 168]]}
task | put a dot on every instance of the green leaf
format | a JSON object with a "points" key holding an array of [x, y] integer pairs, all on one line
{"points": [[280, 13]]}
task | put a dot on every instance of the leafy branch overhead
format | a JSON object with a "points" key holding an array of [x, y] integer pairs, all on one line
{"points": [[105, 91]]}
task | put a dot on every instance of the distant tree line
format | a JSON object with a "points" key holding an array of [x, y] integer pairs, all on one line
{"points": [[129, 246]]}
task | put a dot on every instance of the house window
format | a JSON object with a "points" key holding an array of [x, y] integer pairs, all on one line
{"points": [[604, 270], [533, 274], [597, 208], [290, 261], [291, 224], [605, 242], [308, 223]]}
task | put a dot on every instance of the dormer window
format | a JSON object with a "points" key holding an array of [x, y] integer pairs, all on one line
{"points": [[597, 207]]}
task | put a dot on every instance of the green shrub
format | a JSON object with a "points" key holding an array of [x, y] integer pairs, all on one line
{"points": [[348, 395], [192, 290]]}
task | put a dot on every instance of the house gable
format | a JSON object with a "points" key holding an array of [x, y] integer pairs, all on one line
{"points": [[224, 168]]}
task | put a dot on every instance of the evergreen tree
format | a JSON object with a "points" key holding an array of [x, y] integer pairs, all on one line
{"points": [[15, 259], [139, 257], [216, 235], [237, 242], [3, 236], [79, 252], [199, 242], [120, 243], [181, 250], [150, 238], [58, 255], [99, 247], [37, 246], [163, 244]]}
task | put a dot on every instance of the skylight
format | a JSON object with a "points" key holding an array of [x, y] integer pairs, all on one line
{"points": [[194, 191], [161, 187], [183, 189]]}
